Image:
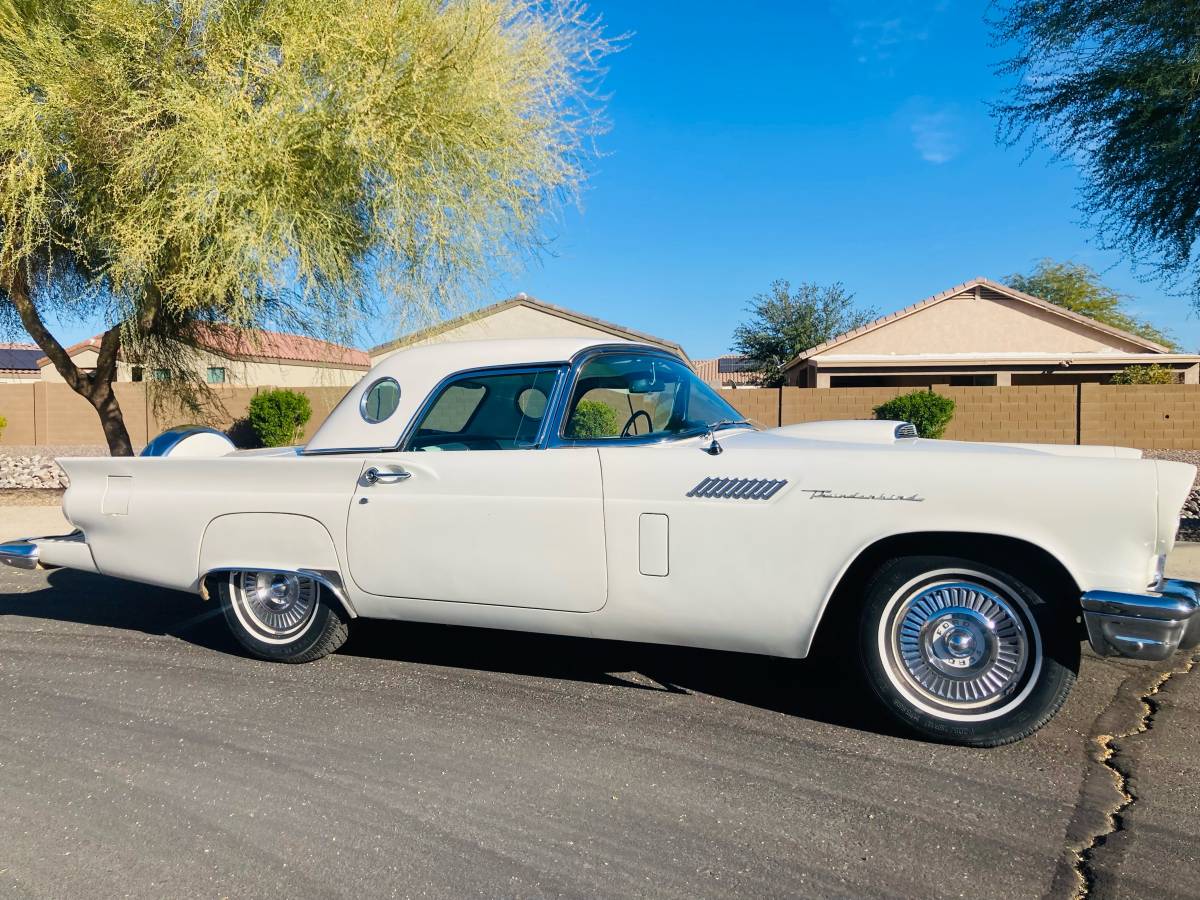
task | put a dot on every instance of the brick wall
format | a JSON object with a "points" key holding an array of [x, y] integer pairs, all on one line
{"points": [[1160, 416], [1031, 415], [42, 413], [1146, 416]]}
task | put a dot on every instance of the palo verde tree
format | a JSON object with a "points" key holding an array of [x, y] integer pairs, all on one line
{"points": [[785, 322], [1114, 86], [165, 165], [1078, 288]]}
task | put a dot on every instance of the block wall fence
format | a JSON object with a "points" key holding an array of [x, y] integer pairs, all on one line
{"points": [[1150, 417], [43, 413], [1147, 416]]}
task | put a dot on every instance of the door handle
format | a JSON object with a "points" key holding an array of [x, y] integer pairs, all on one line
{"points": [[374, 475]]}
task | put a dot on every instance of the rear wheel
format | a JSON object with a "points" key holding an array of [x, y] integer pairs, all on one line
{"points": [[282, 616], [964, 652]]}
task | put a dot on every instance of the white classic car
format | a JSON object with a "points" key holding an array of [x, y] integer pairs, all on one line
{"points": [[605, 491]]}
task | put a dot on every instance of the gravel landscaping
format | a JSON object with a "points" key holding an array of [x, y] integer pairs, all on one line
{"points": [[23, 468], [1189, 528]]}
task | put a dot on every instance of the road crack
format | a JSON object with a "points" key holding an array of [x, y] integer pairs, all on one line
{"points": [[1107, 748]]}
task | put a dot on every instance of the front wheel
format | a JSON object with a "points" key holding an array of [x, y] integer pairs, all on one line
{"points": [[962, 652], [282, 616]]}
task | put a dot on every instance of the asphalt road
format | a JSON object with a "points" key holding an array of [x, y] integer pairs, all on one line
{"points": [[142, 755]]}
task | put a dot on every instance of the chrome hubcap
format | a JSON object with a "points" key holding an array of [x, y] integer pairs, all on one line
{"points": [[959, 644], [274, 604]]}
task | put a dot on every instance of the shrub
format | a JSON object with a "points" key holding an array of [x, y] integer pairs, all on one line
{"points": [[3, 424], [279, 416], [592, 419], [929, 412], [1144, 375]]}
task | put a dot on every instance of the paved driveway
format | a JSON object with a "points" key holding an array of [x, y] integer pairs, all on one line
{"points": [[141, 755]]}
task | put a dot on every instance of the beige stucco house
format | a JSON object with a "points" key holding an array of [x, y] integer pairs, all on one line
{"points": [[981, 333], [519, 317], [240, 358]]}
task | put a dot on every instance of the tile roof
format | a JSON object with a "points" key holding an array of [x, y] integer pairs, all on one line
{"points": [[966, 286], [258, 344], [273, 345]]}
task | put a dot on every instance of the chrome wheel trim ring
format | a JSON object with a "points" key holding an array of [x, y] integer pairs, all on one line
{"points": [[937, 620], [274, 607]]}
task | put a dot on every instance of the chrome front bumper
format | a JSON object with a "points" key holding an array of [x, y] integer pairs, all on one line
{"points": [[1151, 625], [19, 554]]}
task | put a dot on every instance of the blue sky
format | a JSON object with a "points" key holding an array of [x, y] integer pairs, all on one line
{"points": [[821, 141]]}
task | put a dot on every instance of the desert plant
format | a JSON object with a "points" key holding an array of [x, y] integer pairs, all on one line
{"points": [[929, 412], [1144, 375], [279, 416], [592, 419], [3, 424], [167, 164]]}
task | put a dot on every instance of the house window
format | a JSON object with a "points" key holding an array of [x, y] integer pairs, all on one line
{"points": [[161, 374], [972, 381], [138, 374], [216, 374]]}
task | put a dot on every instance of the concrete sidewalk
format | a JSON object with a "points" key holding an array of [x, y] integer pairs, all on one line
{"points": [[31, 521]]}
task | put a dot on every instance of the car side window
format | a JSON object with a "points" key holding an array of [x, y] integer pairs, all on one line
{"points": [[500, 410], [626, 396]]}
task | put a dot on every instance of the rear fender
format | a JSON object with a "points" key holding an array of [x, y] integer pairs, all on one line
{"points": [[282, 542]]}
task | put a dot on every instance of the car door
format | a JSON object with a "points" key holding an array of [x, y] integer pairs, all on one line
{"points": [[473, 511]]}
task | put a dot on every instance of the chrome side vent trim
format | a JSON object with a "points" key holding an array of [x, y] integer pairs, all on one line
{"points": [[905, 430], [738, 488]]}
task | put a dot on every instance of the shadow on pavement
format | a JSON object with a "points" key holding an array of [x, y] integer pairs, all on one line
{"points": [[811, 689]]}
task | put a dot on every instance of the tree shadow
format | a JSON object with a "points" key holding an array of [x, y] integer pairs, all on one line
{"points": [[810, 689]]}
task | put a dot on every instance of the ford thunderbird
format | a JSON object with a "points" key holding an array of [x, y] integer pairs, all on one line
{"points": [[600, 489]]}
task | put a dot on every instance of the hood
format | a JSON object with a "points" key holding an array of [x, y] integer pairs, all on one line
{"points": [[871, 433], [856, 431]]}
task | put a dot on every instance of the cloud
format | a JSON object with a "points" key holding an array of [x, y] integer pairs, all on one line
{"points": [[895, 26], [936, 135]]}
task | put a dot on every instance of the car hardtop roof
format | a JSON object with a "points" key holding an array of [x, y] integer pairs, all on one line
{"points": [[419, 370], [458, 356]]}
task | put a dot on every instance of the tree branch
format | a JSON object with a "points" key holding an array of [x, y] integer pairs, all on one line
{"points": [[31, 320], [106, 361]]}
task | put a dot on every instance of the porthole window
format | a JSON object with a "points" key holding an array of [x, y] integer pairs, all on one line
{"points": [[532, 402], [380, 400]]}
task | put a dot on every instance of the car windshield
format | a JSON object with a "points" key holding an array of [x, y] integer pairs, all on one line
{"points": [[623, 396]]}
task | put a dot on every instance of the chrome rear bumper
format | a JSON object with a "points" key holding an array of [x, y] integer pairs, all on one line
{"points": [[1150, 625], [19, 554], [52, 552]]}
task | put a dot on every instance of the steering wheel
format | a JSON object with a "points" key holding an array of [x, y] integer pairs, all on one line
{"points": [[629, 422]]}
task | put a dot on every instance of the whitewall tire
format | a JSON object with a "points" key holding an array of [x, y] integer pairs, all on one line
{"points": [[282, 616], [963, 652]]}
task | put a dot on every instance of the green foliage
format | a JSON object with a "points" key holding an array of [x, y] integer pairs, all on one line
{"points": [[3, 424], [592, 419], [1144, 375], [1110, 86], [277, 163], [1078, 288], [784, 323], [929, 412], [278, 417]]}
